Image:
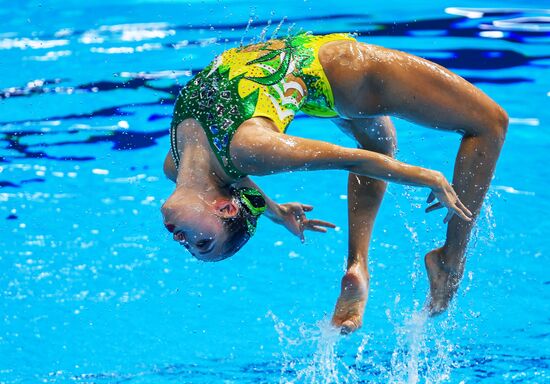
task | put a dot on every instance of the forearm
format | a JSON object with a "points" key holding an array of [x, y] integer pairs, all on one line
{"points": [[383, 167]]}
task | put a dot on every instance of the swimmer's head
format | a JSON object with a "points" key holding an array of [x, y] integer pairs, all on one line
{"points": [[216, 228]]}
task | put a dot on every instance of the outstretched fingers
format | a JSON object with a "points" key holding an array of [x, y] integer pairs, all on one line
{"points": [[454, 205], [459, 212], [459, 209], [464, 209], [307, 208], [318, 225], [434, 207]]}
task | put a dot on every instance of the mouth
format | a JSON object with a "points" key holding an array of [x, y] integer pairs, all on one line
{"points": [[179, 236]]}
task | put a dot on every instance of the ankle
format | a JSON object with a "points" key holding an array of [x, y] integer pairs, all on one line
{"points": [[452, 259], [358, 268], [454, 248]]}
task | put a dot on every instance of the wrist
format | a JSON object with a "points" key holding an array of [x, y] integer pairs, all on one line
{"points": [[275, 212], [436, 180]]}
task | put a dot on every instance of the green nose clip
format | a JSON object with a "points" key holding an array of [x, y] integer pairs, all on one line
{"points": [[255, 203]]}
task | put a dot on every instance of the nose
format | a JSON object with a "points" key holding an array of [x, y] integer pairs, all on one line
{"points": [[170, 227]]}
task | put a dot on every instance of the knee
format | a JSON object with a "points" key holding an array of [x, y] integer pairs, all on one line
{"points": [[385, 145], [492, 127], [502, 123], [383, 138], [499, 125]]}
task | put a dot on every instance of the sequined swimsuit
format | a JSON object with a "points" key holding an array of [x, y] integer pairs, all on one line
{"points": [[274, 79]]}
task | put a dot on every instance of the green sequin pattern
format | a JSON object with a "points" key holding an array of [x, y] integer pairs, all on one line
{"points": [[213, 101], [213, 96]]}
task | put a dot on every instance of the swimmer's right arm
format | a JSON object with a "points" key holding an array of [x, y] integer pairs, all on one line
{"points": [[258, 150], [292, 216]]}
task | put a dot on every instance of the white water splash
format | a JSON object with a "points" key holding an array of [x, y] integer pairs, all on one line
{"points": [[248, 24], [278, 28], [484, 229], [265, 29], [324, 364], [414, 241], [422, 352], [410, 343]]}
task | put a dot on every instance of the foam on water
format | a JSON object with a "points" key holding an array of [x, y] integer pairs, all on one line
{"points": [[421, 352], [323, 364]]}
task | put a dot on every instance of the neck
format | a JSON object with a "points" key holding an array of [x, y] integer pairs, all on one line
{"points": [[198, 168]]}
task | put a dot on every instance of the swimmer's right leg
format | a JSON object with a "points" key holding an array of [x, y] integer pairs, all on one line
{"points": [[368, 80], [364, 197]]}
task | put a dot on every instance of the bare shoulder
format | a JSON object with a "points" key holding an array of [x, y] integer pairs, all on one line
{"points": [[249, 143], [252, 131]]}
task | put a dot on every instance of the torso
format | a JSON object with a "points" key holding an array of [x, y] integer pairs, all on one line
{"points": [[274, 80]]}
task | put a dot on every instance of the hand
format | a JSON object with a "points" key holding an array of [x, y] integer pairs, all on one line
{"points": [[293, 217], [447, 198]]}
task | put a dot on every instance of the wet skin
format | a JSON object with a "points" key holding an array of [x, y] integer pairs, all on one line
{"points": [[369, 83], [376, 81]]}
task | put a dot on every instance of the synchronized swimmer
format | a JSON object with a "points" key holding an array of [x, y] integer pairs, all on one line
{"points": [[230, 122]]}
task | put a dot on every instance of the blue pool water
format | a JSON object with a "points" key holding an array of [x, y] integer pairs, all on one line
{"points": [[93, 290]]}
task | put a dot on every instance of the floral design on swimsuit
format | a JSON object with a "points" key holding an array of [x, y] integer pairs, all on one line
{"points": [[274, 79]]}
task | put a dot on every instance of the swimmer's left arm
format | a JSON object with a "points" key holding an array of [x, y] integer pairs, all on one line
{"points": [[256, 149]]}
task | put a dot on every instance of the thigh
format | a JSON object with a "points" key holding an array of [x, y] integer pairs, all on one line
{"points": [[369, 80], [374, 134]]}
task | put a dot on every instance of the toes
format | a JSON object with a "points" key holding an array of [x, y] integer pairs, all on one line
{"points": [[349, 326], [437, 307], [435, 311]]}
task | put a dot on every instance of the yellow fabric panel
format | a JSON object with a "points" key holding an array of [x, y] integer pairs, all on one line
{"points": [[316, 69]]}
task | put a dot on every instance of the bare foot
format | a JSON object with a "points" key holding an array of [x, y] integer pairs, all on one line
{"points": [[350, 306], [444, 280]]}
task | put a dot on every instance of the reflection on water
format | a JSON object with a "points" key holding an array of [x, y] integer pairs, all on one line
{"points": [[469, 23], [72, 144]]}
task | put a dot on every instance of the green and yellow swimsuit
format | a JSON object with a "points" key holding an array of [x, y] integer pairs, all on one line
{"points": [[274, 79]]}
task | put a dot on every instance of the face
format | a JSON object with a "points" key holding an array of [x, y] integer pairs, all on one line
{"points": [[197, 223]]}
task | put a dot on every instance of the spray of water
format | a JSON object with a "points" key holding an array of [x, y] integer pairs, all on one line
{"points": [[265, 29], [248, 24], [278, 28], [262, 37], [420, 353], [423, 352], [413, 239], [321, 362]]}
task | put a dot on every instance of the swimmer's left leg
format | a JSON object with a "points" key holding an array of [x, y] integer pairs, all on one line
{"points": [[368, 80], [364, 198]]}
